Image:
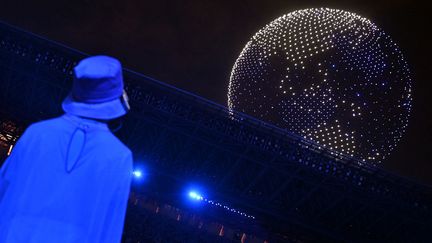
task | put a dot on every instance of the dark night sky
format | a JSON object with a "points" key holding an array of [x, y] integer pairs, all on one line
{"points": [[193, 46]]}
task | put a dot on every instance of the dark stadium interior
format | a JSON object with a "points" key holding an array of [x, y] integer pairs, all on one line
{"points": [[296, 190]]}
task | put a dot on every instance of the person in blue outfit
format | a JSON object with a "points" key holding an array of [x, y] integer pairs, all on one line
{"points": [[68, 178]]}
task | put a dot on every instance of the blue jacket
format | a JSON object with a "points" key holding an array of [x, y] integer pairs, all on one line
{"points": [[66, 180]]}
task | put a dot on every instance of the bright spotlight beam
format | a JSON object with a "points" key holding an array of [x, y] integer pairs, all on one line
{"points": [[195, 196], [137, 173]]}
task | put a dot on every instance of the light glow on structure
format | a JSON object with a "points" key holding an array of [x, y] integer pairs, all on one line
{"points": [[137, 173], [330, 76], [196, 196], [10, 150]]}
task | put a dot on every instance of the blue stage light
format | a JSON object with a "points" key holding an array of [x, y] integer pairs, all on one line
{"points": [[196, 196], [137, 173]]}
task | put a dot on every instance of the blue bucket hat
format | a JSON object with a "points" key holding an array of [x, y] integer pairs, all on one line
{"points": [[98, 89]]}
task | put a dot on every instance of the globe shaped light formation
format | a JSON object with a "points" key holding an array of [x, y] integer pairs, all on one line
{"points": [[329, 75]]}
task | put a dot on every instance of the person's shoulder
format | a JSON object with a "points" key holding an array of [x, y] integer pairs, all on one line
{"points": [[117, 143], [119, 152], [52, 122], [43, 125]]}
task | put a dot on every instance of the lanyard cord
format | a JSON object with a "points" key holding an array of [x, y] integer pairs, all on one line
{"points": [[75, 148]]}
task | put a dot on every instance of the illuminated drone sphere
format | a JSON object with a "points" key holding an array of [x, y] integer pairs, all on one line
{"points": [[329, 75]]}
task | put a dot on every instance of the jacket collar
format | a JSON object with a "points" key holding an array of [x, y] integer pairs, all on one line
{"points": [[85, 123]]}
